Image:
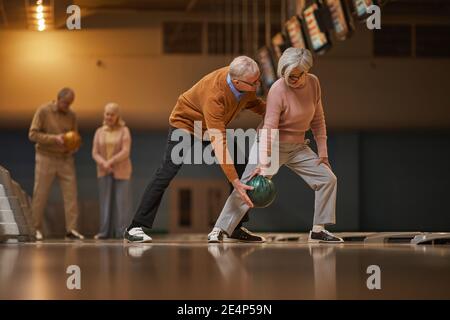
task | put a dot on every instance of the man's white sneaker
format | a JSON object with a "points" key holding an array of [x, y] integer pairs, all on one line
{"points": [[137, 235]]}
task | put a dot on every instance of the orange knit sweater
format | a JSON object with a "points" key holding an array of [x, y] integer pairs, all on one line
{"points": [[212, 102]]}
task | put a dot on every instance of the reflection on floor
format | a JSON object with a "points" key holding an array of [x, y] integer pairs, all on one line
{"points": [[186, 267]]}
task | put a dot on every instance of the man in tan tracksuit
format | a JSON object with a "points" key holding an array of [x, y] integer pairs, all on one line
{"points": [[50, 122]]}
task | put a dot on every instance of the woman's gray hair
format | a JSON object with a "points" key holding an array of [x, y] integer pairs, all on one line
{"points": [[243, 66], [292, 58]]}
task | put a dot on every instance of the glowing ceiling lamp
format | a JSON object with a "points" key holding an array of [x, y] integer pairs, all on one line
{"points": [[40, 14]]}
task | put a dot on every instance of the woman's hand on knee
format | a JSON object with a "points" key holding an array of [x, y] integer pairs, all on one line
{"points": [[242, 188], [255, 172], [325, 161]]}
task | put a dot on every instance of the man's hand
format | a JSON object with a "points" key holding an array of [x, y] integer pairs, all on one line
{"points": [[325, 161], [59, 138], [242, 188]]}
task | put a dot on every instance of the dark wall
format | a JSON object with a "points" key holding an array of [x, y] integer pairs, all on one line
{"points": [[405, 181], [386, 181]]}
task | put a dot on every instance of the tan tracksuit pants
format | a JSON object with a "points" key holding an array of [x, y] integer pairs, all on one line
{"points": [[47, 168], [303, 161]]}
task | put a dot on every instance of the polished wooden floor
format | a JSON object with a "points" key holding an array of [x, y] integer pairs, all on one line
{"points": [[188, 268]]}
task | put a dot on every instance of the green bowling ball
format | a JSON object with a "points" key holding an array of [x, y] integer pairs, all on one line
{"points": [[264, 191]]}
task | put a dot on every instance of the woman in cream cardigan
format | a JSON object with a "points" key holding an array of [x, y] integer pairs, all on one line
{"points": [[111, 152]]}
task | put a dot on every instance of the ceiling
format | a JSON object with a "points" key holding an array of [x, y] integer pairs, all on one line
{"points": [[13, 14]]}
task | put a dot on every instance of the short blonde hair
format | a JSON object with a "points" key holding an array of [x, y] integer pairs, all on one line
{"points": [[242, 66], [115, 108], [293, 58]]}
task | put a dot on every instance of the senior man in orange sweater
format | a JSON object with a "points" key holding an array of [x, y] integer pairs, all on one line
{"points": [[214, 101]]}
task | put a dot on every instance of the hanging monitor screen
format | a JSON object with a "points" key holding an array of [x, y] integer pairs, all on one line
{"points": [[294, 29], [318, 37], [360, 7], [268, 68], [342, 22]]}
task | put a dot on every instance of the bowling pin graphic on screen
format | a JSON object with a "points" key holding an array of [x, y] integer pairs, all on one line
{"points": [[360, 8], [342, 20], [295, 30], [318, 37]]}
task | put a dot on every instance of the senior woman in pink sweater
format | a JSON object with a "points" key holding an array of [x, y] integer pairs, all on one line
{"points": [[294, 106], [111, 152]]}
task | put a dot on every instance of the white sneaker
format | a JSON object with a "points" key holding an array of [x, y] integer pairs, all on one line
{"points": [[137, 235], [216, 235], [39, 236]]}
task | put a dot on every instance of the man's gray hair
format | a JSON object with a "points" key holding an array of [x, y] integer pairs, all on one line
{"points": [[243, 66], [292, 58], [65, 92]]}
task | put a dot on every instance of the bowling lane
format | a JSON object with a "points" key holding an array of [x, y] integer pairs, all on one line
{"points": [[191, 269]]}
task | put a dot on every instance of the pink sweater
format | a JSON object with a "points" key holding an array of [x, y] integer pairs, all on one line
{"points": [[296, 110]]}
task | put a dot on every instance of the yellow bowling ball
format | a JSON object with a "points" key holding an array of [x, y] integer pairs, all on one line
{"points": [[72, 140]]}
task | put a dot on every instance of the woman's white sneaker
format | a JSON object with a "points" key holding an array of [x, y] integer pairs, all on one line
{"points": [[216, 235]]}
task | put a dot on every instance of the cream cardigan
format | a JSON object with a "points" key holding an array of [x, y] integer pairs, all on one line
{"points": [[121, 162]]}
